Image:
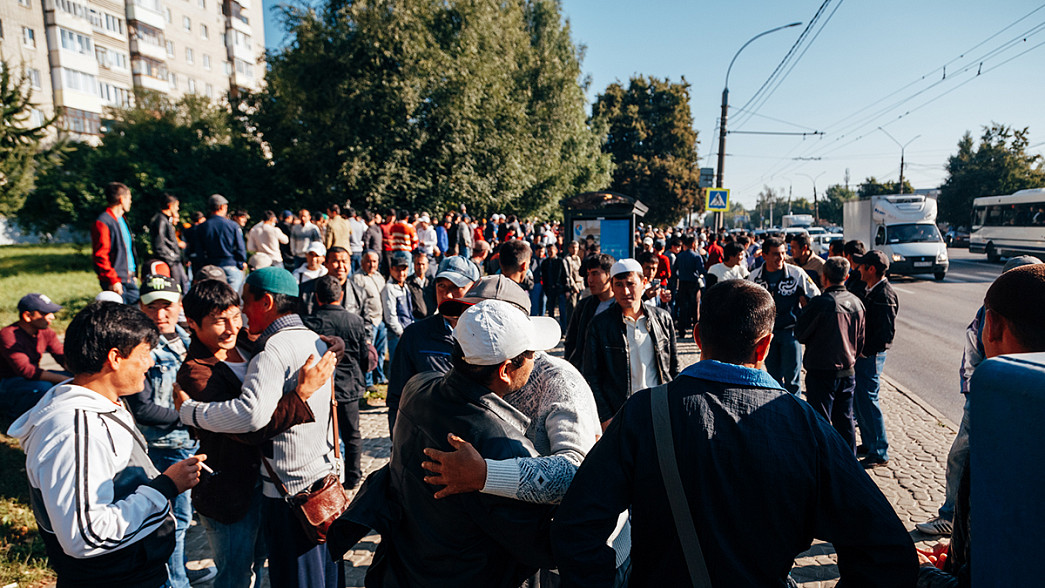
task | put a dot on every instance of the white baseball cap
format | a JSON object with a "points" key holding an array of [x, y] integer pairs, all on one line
{"points": [[624, 266], [493, 331], [316, 248]]}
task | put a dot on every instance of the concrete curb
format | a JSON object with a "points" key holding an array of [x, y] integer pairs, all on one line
{"points": [[943, 420]]}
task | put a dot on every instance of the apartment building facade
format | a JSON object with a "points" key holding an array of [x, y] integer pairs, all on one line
{"points": [[90, 55]]}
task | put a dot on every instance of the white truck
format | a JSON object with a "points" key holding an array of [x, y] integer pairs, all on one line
{"points": [[904, 227], [796, 221]]}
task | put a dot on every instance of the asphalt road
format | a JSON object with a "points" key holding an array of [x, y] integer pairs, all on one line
{"points": [[927, 351]]}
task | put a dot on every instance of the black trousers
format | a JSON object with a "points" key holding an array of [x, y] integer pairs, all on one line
{"points": [[348, 427], [832, 397], [687, 306]]}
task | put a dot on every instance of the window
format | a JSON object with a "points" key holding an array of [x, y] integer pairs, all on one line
{"points": [[172, 79], [187, 23], [145, 66], [148, 35], [73, 8], [34, 77], [203, 4], [1, 28], [75, 42], [167, 15], [114, 95], [28, 37], [36, 118], [113, 24], [203, 31], [26, 3], [192, 86], [206, 62], [188, 54], [80, 121], [209, 91], [77, 80], [228, 68], [110, 59], [170, 48]]}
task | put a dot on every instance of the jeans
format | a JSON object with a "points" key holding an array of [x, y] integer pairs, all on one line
{"points": [[784, 361], [294, 561], [957, 458], [130, 292], [832, 397], [357, 261], [537, 300], [181, 507], [865, 400], [380, 341], [239, 549], [352, 438], [18, 395], [235, 277]]}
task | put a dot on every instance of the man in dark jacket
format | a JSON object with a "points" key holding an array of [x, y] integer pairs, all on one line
{"points": [[629, 347], [596, 272], [220, 241], [330, 318], [832, 329], [880, 304], [471, 539], [421, 284], [338, 263], [754, 461], [555, 282], [165, 245]]}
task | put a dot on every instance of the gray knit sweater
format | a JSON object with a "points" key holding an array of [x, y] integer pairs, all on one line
{"points": [[304, 453]]}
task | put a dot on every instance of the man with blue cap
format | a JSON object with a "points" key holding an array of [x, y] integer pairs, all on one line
{"points": [[22, 345]]}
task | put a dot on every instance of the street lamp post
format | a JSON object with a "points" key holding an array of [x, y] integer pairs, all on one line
{"points": [[816, 205], [902, 148], [725, 114]]}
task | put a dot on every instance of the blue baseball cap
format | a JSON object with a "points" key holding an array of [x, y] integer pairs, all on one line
{"points": [[458, 269], [37, 303]]}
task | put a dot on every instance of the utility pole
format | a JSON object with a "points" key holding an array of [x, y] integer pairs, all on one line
{"points": [[816, 204], [725, 112], [902, 149]]}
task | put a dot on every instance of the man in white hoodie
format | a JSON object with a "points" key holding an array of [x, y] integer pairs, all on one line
{"points": [[102, 507]]}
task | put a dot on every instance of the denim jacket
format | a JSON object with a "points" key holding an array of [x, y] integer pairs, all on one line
{"points": [[159, 393]]}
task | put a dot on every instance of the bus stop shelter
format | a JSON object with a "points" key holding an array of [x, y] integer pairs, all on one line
{"points": [[609, 217]]}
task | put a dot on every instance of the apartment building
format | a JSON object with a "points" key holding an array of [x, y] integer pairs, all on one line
{"points": [[91, 54], [22, 45]]}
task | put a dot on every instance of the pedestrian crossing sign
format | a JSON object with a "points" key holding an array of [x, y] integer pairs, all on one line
{"points": [[717, 200]]}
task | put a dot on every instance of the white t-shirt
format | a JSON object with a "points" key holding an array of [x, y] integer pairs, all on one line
{"points": [[643, 366], [303, 274], [239, 368], [724, 272]]}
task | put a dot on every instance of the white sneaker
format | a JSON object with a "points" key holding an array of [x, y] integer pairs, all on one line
{"points": [[937, 526], [201, 575]]}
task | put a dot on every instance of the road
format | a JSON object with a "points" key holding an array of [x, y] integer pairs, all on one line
{"points": [[927, 351]]}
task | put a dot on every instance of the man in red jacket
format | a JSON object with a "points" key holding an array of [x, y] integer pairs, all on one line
{"points": [[114, 260]]}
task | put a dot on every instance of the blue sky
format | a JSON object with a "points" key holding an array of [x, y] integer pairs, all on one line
{"points": [[860, 72]]}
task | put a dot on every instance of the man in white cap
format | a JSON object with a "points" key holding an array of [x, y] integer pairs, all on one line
{"points": [[630, 346], [474, 539], [315, 255], [426, 235]]}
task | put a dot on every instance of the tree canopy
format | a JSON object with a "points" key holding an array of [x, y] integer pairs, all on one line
{"points": [[430, 103], [653, 145], [23, 145], [999, 165], [872, 187]]}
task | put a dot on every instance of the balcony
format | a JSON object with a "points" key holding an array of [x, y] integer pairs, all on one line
{"points": [[151, 83], [148, 49], [145, 15], [241, 26]]}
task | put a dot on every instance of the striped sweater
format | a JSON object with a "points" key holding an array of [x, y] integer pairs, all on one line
{"points": [[304, 453]]}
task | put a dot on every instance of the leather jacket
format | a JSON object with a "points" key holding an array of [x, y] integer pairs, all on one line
{"points": [[470, 539], [607, 365], [832, 329]]}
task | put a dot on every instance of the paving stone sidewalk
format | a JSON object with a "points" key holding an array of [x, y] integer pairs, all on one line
{"points": [[913, 481]]}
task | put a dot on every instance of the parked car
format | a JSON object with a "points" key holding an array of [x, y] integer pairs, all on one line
{"points": [[957, 237]]}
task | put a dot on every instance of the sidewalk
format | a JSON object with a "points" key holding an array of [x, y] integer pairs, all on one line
{"points": [[913, 481]]}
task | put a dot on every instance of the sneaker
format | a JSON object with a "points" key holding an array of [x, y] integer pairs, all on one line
{"points": [[873, 461], [861, 450], [937, 526], [201, 575]]}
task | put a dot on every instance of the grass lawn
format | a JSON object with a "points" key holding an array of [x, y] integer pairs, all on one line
{"points": [[62, 272]]}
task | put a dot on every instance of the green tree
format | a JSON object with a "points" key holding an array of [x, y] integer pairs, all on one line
{"points": [[23, 153], [833, 203], [872, 187], [430, 103], [999, 165], [653, 145], [190, 148]]}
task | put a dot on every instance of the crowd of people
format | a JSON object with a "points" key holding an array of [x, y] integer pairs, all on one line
{"points": [[222, 375]]}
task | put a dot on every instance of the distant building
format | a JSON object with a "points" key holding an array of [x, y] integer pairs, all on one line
{"points": [[86, 55]]}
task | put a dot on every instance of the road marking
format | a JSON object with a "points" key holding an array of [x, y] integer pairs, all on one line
{"points": [[904, 290]]}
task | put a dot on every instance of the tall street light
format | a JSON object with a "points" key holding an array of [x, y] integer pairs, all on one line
{"points": [[725, 113], [816, 205], [902, 148]]}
